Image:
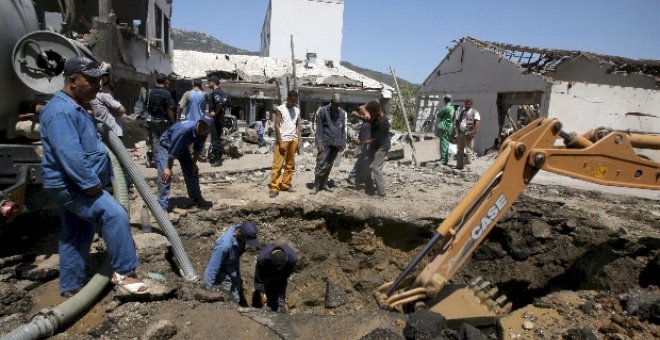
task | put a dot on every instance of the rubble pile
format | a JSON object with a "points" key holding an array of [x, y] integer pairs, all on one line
{"points": [[575, 263]]}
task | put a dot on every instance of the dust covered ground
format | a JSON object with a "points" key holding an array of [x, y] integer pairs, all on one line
{"points": [[577, 262]]}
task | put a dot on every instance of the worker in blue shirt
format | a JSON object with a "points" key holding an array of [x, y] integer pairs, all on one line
{"points": [[223, 268], [276, 262], [174, 144], [76, 168]]}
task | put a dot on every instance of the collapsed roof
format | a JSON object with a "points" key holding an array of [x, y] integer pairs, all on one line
{"points": [[543, 61], [261, 70]]}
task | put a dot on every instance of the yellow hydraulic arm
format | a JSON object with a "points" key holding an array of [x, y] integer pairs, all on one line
{"points": [[601, 156]]}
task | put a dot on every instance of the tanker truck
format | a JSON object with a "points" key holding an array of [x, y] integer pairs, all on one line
{"points": [[131, 37]]}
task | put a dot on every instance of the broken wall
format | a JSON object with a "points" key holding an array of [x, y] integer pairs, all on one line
{"points": [[470, 72], [584, 69], [584, 106]]}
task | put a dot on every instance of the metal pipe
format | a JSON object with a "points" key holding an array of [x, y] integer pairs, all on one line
{"points": [[405, 117], [642, 141], [436, 237]]}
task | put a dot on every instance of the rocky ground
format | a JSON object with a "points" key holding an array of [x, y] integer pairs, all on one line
{"points": [[576, 262]]}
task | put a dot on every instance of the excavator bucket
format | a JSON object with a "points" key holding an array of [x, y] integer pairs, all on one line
{"points": [[478, 303]]}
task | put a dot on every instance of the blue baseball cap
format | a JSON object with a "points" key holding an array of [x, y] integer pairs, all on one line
{"points": [[83, 65], [206, 119], [249, 232]]}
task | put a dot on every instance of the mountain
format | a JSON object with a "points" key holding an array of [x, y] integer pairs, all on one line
{"points": [[202, 42], [380, 76]]}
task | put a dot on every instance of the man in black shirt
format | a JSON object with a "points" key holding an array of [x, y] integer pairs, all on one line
{"points": [[276, 262], [161, 110], [379, 145], [217, 103]]}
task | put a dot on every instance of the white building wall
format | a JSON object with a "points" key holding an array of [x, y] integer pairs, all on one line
{"points": [[316, 26], [470, 72], [584, 106]]}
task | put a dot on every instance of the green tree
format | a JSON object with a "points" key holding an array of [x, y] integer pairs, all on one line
{"points": [[408, 96]]}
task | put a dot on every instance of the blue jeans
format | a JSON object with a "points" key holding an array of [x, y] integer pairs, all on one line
{"points": [[189, 176], [228, 277], [80, 214]]}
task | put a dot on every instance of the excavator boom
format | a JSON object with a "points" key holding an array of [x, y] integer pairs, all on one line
{"points": [[599, 156]]}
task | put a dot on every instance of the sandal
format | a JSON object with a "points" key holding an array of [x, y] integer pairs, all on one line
{"points": [[129, 284]]}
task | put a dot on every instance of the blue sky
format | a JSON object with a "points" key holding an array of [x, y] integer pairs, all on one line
{"points": [[413, 35]]}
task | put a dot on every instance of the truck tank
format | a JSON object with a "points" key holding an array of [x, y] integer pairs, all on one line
{"points": [[31, 64], [17, 18]]}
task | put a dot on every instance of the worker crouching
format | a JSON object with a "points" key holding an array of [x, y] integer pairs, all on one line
{"points": [[276, 262]]}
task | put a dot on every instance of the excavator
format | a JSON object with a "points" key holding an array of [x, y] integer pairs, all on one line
{"points": [[603, 156]]}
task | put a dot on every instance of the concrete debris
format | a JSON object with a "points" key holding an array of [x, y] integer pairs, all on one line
{"points": [[43, 267], [383, 334], [424, 324], [581, 334], [335, 296], [161, 330]]}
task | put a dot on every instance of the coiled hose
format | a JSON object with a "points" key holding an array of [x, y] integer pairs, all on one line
{"points": [[116, 145], [119, 185], [48, 321]]}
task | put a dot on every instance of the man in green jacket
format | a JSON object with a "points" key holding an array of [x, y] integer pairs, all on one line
{"points": [[445, 124]]}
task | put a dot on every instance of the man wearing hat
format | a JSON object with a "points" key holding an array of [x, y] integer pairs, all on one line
{"points": [[223, 268], [76, 168], [276, 262], [445, 125], [174, 144], [217, 104], [330, 140]]}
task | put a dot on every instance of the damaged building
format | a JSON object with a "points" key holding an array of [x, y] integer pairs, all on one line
{"points": [[131, 36], [256, 84], [512, 85]]}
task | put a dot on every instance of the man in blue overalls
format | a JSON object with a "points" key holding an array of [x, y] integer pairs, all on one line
{"points": [[174, 144], [76, 168], [223, 268]]}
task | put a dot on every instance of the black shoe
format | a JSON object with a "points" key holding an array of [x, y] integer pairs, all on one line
{"points": [[273, 194], [328, 189], [314, 190], [202, 203], [216, 164]]}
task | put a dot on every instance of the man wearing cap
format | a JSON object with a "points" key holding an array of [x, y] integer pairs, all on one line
{"points": [[287, 132], [174, 144], [276, 262], [445, 125], [76, 168], [330, 140], [223, 268], [162, 114], [217, 102]]}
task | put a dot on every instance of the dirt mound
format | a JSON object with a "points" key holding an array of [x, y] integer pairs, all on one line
{"points": [[573, 255]]}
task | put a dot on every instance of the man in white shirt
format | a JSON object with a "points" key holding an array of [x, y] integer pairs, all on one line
{"points": [[468, 125], [287, 132]]}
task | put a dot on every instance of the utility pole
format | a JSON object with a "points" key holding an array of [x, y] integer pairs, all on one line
{"points": [[405, 117], [293, 65]]}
